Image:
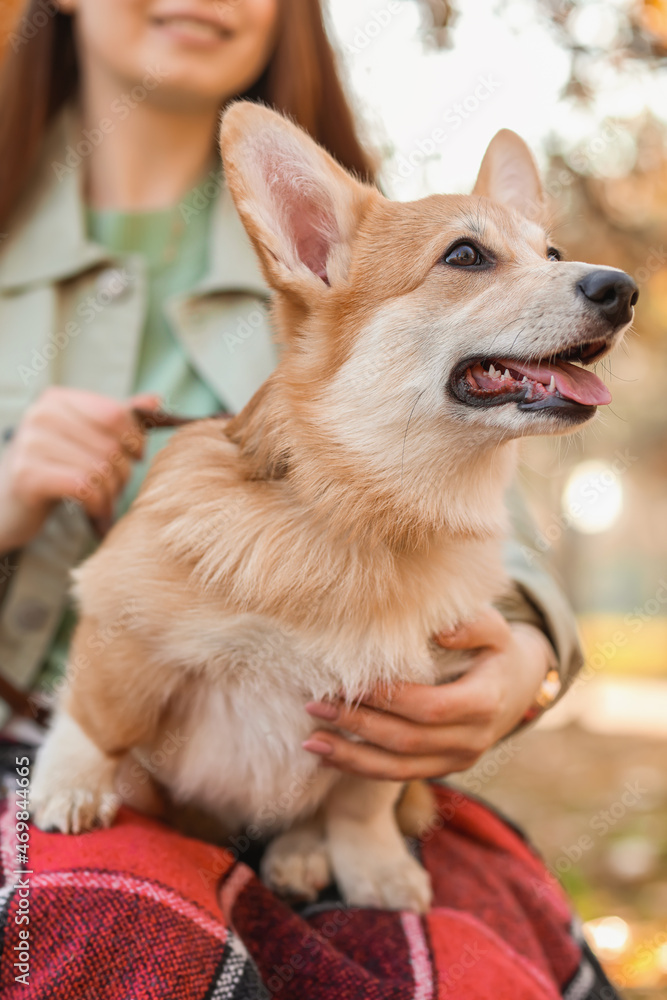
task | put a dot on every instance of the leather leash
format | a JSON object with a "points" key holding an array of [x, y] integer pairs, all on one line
{"points": [[149, 420]]}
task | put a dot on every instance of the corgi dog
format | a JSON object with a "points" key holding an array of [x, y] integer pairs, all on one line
{"points": [[311, 545]]}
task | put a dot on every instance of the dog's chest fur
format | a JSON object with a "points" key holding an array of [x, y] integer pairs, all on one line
{"points": [[235, 733], [247, 610]]}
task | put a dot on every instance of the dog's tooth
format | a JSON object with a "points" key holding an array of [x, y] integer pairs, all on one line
{"points": [[492, 371], [507, 373], [525, 378], [552, 384]]}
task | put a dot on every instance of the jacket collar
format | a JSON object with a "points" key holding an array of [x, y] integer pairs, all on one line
{"points": [[233, 266], [48, 241]]}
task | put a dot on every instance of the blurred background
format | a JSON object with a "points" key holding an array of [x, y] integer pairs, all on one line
{"points": [[585, 83]]}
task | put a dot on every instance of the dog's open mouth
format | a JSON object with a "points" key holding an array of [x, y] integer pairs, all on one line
{"points": [[538, 384]]}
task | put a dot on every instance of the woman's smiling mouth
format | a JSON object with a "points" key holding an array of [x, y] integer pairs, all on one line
{"points": [[192, 29]]}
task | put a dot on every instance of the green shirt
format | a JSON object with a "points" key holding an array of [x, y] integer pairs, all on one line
{"points": [[175, 253]]}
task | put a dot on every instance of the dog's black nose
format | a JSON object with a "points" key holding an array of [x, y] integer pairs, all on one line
{"points": [[613, 292]]}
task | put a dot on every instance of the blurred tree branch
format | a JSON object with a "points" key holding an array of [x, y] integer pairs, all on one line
{"points": [[438, 18], [636, 31]]}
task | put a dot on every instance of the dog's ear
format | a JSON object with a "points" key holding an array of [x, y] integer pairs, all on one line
{"points": [[509, 175], [299, 207]]}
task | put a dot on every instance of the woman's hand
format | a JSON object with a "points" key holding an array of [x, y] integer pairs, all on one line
{"points": [[70, 443], [424, 731]]}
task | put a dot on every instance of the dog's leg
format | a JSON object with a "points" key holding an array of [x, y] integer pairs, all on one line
{"points": [[370, 859], [416, 809], [110, 705], [73, 784], [296, 863]]}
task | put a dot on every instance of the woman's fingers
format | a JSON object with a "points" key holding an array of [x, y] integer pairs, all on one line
{"points": [[375, 762], [112, 418], [489, 629], [426, 731], [464, 700], [385, 730], [98, 466], [70, 444], [421, 730], [144, 401], [82, 413], [96, 436], [103, 455]]}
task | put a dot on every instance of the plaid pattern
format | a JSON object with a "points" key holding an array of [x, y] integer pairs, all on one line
{"points": [[139, 912]]}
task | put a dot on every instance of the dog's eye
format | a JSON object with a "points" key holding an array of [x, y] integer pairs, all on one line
{"points": [[464, 255], [553, 254]]}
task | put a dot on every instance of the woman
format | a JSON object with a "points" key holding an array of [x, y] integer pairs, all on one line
{"points": [[126, 281]]}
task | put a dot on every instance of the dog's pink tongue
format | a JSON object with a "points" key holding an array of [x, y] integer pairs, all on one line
{"points": [[572, 382]]}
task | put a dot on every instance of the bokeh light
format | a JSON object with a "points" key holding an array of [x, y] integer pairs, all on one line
{"points": [[593, 497], [608, 935]]}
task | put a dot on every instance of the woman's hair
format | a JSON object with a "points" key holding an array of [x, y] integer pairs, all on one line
{"points": [[41, 73]]}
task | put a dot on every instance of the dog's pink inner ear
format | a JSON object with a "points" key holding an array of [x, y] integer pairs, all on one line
{"points": [[303, 210], [311, 232], [299, 206]]}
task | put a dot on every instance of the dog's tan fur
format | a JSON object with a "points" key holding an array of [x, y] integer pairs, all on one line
{"points": [[313, 543]]}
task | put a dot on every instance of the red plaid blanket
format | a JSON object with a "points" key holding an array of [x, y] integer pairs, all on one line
{"points": [[139, 912]]}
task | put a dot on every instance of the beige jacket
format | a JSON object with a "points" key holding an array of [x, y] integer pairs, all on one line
{"points": [[72, 315]]}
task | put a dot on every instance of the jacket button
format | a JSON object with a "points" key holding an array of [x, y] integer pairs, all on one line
{"points": [[30, 615], [112, 284]]}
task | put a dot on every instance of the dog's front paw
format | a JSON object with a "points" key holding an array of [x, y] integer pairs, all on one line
{"points": [[383, 880], [75, 810], [296, 864], [73, 785]]}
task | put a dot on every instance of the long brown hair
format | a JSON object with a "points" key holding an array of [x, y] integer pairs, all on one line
{"points": [[40, 73]]}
